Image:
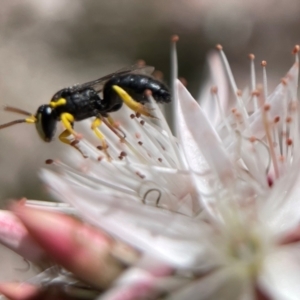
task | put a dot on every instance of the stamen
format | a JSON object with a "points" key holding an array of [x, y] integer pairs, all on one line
{"points": [[296, 53], [276, 135], [265, 109], [265, 83], [214, 92], [234, 87], [174, 76], [253, 81]]}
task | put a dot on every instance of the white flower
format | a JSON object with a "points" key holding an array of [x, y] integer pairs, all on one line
{"points": [[214, 212]]}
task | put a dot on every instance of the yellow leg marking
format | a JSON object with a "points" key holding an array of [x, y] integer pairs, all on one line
{"points": [[67, 120], [63, 137], [31, 120], [131, 103], [59, 102], [95, 124]]}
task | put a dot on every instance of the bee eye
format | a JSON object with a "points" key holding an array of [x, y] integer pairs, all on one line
{"points": [[46, 122]]}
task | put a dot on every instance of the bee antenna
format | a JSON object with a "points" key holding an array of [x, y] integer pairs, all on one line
{"points": [[12, 123], [16, 110]]}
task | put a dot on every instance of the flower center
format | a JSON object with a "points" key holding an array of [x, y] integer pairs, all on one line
{"points": [[245, 248]]}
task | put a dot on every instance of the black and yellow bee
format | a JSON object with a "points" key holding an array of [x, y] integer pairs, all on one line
{"points": [[97, 99]]}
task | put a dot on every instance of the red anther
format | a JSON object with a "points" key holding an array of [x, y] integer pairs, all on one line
{"points": [[141, 63], [276, 119], [283, 81], [289, 142], [175, 38], [296, 49], [183, 81], [214, 90], [49, 161], [142, 122], [267, 107], [219, 47], [160, 159], [158, 74], [263, 63], [132, 116], [252, 139], [251, 56], [289, 119], [123, 153], [148, 93]]}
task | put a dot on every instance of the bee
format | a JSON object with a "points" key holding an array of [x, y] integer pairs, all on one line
{"points": [[97, 98]]}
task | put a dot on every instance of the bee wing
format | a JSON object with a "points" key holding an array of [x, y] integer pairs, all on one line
{"points": [[98, 84]]}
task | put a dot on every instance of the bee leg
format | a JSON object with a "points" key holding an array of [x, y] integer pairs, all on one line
{"points": [[63, 137], [111, 124], [67, 120], [95, 124], [131, 103]]}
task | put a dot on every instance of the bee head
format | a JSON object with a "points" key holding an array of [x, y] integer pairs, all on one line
{"points": [[46, 122]]}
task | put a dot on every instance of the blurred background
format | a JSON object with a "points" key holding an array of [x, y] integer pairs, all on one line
{"points": [[50, 44]]}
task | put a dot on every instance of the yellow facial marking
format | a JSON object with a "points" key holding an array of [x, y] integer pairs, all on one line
{"points": [[59, 102]]}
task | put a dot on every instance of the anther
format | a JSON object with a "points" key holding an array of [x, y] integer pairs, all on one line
{"points": [[148, 93], [140, 143], [49, 161], [251, 56], [283, 81], [276, 119], [296, 49], [123, 153], [239, 93], [289, 142], [142, 122], [219, 47], [233, 110], [100, 158], [263, 63], [137, 114], [174, 38], [183, 81], [141, 63], [160, 159], [214, 90], [132, 116], [252, 139], [289, 119], [267, 107], [158, 75]]}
